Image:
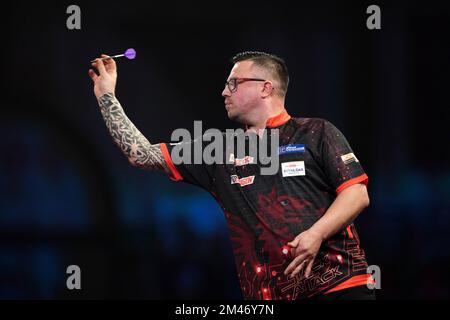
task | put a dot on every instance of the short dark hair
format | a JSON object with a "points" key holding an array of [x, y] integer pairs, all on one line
{"points": [[270, 62]]}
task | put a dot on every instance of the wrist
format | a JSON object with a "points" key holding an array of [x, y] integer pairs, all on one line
{"points": [[318, 232], [106, 95]]}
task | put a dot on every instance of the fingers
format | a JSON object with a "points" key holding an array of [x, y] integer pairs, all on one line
{"points": [[99, 64], [309, 268], [299, 264], [299, 268], [104, 66], [305, 247], [304, 260], [93, 75], [294, 264], [110, 64]]}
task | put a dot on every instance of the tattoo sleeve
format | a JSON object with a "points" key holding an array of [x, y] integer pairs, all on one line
{"points": [[139, 151]]}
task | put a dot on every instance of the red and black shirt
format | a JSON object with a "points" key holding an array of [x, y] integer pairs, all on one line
{"points": [[264, 212]]}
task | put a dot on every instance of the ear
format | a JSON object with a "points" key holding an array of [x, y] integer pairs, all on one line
{"points": [[267, 89]]}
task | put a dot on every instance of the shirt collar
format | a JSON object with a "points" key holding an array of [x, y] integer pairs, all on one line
{"points": [[278, 120]]}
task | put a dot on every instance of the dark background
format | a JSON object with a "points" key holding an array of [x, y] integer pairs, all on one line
{"points": [[68, 196]]}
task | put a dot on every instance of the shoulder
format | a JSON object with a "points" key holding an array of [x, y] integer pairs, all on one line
{"points": [[312, 123]]}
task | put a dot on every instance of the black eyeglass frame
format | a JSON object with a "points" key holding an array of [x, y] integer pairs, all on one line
{"points": [[232, 84]]}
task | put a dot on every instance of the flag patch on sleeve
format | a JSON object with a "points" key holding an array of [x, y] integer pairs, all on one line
{"points": [[349, 158]]}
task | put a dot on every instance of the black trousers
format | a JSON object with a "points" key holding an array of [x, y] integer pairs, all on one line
{"points": [[353, 293]]}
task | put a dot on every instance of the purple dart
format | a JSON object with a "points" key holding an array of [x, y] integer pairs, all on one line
{"points": [[129, 54]]}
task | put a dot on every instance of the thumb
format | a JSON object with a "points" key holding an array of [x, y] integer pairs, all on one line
{"points": [[293, 243]]}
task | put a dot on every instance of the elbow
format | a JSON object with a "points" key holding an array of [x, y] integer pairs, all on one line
{"points": [[137, 164], [365, 201], [133, 162]]}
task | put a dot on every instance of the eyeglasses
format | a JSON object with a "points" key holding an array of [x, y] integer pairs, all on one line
{"points": [[233, 82]]}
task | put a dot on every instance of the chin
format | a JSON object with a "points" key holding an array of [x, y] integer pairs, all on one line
{"points": [[231, 116], [236, 118]]}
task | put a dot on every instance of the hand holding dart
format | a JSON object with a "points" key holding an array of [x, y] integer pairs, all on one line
{"points": [[129, 54]]}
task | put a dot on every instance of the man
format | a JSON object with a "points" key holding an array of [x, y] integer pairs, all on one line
{"points": [[292, 232]]}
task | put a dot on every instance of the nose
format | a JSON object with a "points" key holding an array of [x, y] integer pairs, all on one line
{"points": [[226, 92]]}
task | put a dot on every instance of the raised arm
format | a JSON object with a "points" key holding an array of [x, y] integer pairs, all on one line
{"points": [[133, 144]]}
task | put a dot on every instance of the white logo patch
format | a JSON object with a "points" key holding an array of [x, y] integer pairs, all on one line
{"points": [[348, 158], [244, 161], [240, 162], [242, 181], [293, 168]]}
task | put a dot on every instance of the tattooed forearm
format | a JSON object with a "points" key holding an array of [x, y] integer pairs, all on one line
{"points": [[133, 144]]}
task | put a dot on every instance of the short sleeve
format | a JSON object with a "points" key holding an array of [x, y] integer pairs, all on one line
{"points": [[189, 172], [341, 165]]}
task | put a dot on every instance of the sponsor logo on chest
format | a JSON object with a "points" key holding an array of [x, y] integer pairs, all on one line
{"points": [[293, 168], [291, 148], [242, 181], [241, 162]]}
